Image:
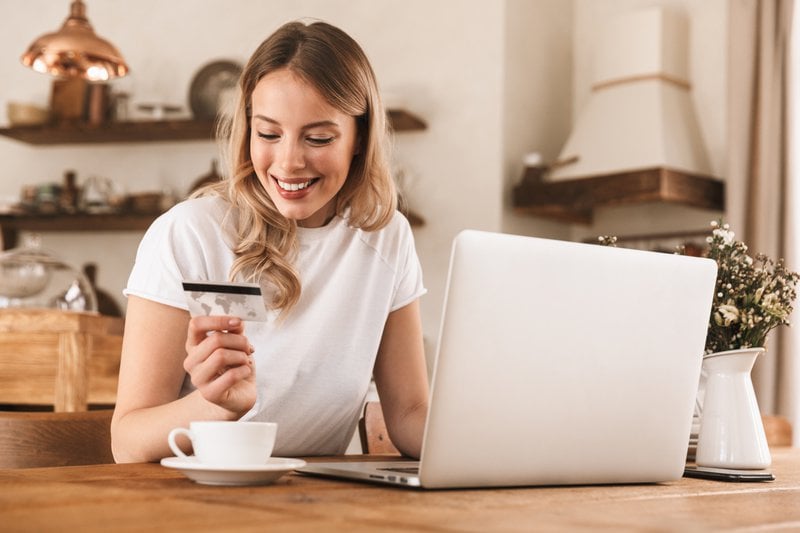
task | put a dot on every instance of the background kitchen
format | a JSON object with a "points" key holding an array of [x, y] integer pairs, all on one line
{"points": [[493, 81]]}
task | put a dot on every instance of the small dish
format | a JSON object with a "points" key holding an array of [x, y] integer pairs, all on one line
{"points": [[233, 475]]}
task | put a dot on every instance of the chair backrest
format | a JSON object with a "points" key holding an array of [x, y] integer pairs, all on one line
{"points": [[372, 431], [38, 439]]}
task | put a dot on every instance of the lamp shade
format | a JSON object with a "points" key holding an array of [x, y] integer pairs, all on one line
{"points": [[75, 51]]}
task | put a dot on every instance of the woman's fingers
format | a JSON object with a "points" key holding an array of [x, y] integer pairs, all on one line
{"points": [[217, 364], [200, 326], [212, 342], [226, 388], [218, 359]]}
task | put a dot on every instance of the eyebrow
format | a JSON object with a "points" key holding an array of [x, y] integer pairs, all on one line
{"points": [[317, 124]]}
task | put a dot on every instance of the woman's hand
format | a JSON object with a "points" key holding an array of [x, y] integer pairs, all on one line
{"points": [[219, 361]]}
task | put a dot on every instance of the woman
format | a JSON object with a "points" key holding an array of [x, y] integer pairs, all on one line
{"points": [[309, 212]]}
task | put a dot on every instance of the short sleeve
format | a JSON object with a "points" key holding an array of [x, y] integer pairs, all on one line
{"points": [[409, 285], [186, 242]]}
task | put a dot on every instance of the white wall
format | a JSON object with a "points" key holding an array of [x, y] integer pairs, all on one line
{"points": [[493, 79], [537, 107], [708, 54], [490, 78]]}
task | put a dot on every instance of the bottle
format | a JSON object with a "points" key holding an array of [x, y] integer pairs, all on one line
{"points": [[68, 201]]}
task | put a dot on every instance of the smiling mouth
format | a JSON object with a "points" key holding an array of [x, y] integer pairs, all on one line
{"points": [[294, 185]]}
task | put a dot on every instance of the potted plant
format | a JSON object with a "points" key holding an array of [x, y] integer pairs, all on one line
{"points": [[753, 296]]}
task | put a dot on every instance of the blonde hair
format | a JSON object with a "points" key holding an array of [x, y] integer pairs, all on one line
{"points": [[331, 61]]}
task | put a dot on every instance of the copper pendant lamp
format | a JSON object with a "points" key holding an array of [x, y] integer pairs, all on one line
{"points": [[75, 51]]}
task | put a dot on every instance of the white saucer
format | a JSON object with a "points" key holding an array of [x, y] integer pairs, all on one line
{"points": [[233, 475]]}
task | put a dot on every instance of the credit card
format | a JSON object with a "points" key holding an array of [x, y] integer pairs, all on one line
{"points": [[220, 298]]}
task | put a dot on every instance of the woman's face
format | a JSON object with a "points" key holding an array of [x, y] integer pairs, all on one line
{"points": [[301, 147]]}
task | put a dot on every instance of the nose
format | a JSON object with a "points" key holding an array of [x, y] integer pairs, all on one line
{"points": [[290, 156]]}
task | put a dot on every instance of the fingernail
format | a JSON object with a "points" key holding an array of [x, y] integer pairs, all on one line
{"points": [[252, 348], [234, 322]]}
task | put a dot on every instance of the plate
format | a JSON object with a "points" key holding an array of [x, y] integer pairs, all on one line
{"points": [[233, 475], [208, 85]]}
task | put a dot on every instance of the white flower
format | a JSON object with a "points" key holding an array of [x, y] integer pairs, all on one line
{"points": [[772, 305], [726, 315], [725, 234]]}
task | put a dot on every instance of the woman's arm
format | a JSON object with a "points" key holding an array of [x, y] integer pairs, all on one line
{"points": [[154, 364], [402, 379]]}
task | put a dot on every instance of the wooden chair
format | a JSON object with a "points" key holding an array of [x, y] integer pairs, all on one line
{"points": [[64, 360], [38, 439], [372, 431]]}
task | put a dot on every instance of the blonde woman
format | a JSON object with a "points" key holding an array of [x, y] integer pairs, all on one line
{"points": [[308, 210]]}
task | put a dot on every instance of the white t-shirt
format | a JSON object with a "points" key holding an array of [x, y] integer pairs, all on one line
{"points": [[313, 368]]}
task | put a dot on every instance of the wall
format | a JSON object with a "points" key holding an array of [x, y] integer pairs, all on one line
{"points": [[537, 107], [708, 53], [494, 80], [550, 44], [488, 77]]}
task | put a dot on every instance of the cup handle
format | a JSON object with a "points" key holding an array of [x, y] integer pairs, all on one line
{"points": [[173, 445]]}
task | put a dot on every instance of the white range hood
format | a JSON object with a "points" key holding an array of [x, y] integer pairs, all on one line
{"points": [[640, 113]]}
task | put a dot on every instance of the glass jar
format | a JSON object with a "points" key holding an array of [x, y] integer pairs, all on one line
{"points": [[32, 277]]}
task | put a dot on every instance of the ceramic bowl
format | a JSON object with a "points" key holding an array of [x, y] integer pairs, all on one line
{"points": [[22, 114]]}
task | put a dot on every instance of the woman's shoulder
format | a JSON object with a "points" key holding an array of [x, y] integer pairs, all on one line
{"points": [[199, 208], [393, 237], [195, 212], [192, 220]]}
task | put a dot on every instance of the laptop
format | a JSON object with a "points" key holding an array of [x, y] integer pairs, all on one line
{"points": [[558, 363]]}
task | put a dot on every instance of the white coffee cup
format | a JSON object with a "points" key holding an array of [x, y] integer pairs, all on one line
{"points": [[228, 443]]}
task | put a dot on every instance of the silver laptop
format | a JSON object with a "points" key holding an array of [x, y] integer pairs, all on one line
{"points": [[558, 363]]}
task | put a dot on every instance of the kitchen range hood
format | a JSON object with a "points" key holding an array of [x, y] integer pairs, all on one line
{"points": [[637, 138]]}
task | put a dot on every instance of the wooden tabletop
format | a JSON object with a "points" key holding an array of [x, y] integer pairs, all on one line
{"points": [[151, 497]]}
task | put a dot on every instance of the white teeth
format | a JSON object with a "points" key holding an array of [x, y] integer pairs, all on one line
{"points": [[293, 186]]}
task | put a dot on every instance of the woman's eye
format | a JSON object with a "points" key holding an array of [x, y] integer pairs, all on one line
{"points": [[320, 141], [269, 136]]}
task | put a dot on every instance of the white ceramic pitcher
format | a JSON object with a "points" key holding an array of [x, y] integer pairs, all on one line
{"points": [[731, 431]]}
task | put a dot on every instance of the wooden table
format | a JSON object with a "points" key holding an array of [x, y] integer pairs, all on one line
{"points": [[148, 496]]}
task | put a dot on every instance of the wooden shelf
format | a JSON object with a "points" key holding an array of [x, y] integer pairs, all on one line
{"points": [[151, 131], [11, 225], [118, 132], [114, 132], [402, 120], [575, 200]]}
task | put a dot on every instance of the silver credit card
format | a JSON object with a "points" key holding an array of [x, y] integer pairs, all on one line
{"points": [[242, 300]]}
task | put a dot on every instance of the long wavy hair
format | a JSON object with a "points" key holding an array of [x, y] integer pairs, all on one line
{"points": [[331, 61]]}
